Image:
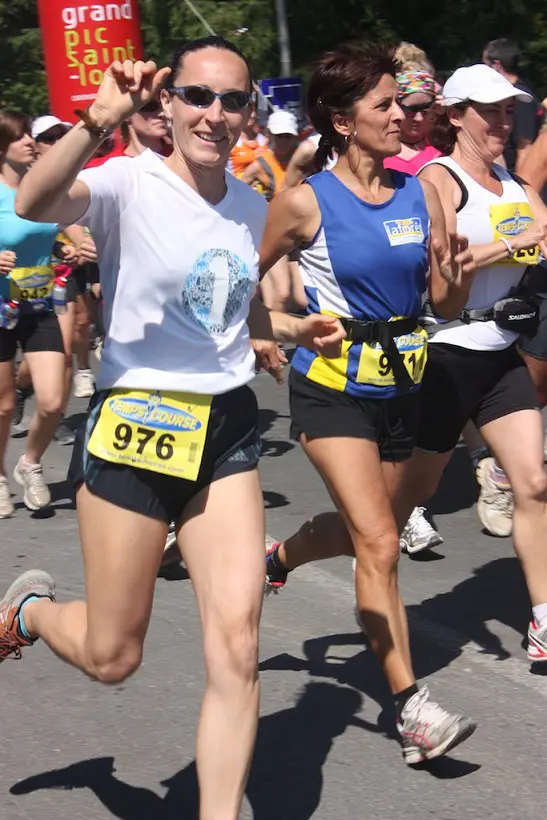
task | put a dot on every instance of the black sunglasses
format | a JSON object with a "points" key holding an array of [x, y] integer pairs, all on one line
{"points": [[412, 110], [199, 96], [50, 139], [152, 107]]}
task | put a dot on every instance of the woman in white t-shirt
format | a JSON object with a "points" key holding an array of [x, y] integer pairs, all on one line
{"points": [[172, 432], [474, 371]]}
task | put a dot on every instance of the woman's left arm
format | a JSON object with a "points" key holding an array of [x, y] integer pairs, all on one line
{"points": [[451, 265]]}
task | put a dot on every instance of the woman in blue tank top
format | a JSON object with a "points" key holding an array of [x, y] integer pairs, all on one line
{"points": [[368, 238], [27, 319]]}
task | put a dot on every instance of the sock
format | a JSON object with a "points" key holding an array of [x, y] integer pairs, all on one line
{"points": [[478, 454], [540, 614], [21, 617], [401, 698], [276, 568], [498, 477]]}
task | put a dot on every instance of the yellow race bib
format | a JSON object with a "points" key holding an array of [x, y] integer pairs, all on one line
{"points": [[508, 220], [153, 430], [374, 367], [31, 284]]}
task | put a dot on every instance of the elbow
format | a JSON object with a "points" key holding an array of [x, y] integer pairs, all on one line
{"points": [[24, 209]]}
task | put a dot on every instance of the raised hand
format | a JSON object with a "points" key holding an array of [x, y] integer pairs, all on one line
{"points": [[125, 88]]}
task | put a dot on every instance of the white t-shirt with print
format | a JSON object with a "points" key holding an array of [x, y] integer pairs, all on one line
{"points": [[177, 276]]}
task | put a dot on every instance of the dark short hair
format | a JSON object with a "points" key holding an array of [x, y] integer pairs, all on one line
{"points": [[13, 124], [341, 78], [507, 52], [197, 45]]}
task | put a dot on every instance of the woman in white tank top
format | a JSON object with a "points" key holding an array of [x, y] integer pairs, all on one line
{"points": [[474, 371]]}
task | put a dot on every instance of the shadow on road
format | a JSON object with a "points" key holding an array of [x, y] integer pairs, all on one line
{"points": [[458, 489], [294, 738]]}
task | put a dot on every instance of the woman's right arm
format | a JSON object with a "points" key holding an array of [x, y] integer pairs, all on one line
{"points": [[293, 219], [50, 192]]}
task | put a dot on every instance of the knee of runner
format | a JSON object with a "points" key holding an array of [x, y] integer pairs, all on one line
{"points": [[377, 555], [112, 666], [533, 487], [231, 652], [7, 403], [50, 405]]}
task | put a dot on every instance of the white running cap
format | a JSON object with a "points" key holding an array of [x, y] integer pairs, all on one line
{"points": [[480, 83], [43, 124], [282, 122]]}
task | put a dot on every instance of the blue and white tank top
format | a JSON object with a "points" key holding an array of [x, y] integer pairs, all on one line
{"points": [[366, 262]]}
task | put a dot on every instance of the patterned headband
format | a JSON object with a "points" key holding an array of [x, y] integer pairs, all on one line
{"points": [[413, 82]]}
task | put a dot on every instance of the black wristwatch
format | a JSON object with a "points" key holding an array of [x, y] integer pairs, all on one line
{"points": [[91, 125]]}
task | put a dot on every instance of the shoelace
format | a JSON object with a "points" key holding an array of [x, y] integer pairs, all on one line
{"points": [[417, 524], [35, 477], [501, 500], [9, 645]]}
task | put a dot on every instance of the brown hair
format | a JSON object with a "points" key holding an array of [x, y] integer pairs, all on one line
{"points": [[342, 78], [442, 134], [13, 125]]}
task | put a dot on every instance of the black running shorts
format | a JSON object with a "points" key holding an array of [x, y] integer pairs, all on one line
{"points": [[35, 334], [320, 412], [232, 446], [461, 384]]}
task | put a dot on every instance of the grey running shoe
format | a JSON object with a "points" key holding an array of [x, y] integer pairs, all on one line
{"points": [[428, 731], [21, 395], [36, 583], [418, 534], [171, 552], [6, 505], [37, 495], [64, 434]]}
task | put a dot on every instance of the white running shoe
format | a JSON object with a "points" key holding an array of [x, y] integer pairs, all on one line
{"points": [[37, 495], [83, 384], [418, 533], [427, 730], [537, 643], [495, 505], [6, 506]]}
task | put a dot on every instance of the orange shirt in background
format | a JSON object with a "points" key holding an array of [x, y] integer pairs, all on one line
{"points": [[245, 152]]}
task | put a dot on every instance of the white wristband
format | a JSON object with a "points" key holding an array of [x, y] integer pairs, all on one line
{"points": [[510, 248]]}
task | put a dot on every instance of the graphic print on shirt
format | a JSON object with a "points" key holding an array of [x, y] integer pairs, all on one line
{"points": [[216, 289], [404, 231]]}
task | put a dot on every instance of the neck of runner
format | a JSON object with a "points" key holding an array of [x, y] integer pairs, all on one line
{"points": [[209, 183], [471, 161], [12, 175]]}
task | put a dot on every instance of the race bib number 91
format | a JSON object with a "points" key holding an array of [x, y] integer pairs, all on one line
{"points": [[508, 220], [374, 367], [159, 431]]}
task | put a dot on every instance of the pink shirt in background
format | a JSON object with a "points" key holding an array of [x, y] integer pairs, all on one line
{"points": [[412, 166]]}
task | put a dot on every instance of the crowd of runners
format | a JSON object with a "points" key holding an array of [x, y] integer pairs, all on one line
{"points": [[396, 239]]}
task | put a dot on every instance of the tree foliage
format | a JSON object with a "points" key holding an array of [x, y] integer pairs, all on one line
{"points": [[452, 34]]}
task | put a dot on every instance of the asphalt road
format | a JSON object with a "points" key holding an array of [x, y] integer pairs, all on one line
{"points": [[323, 748]]}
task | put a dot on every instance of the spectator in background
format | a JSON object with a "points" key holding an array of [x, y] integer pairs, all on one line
{"points": [[145, 129], [503, 56], [248, 146], [267, 172]]}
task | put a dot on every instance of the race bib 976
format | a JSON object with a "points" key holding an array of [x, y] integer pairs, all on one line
{"points": [[153, 430]]}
